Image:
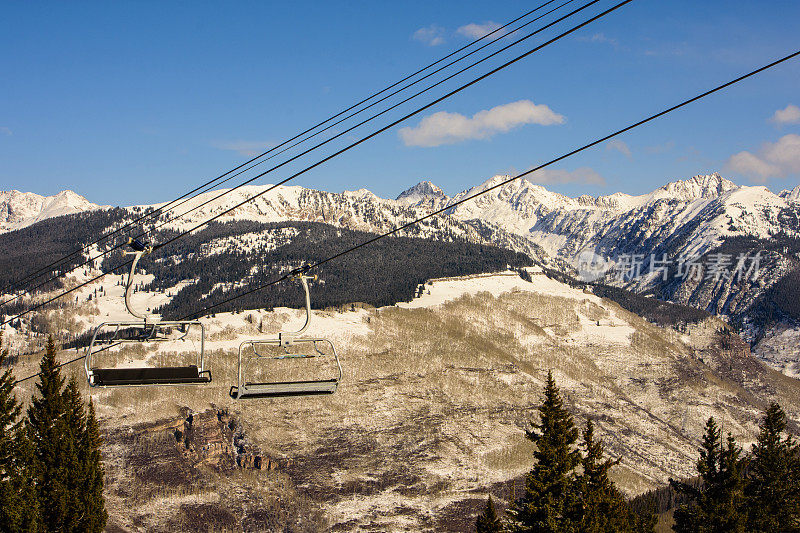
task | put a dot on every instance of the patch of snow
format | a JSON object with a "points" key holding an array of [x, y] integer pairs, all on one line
{"points": [[440, 291]]}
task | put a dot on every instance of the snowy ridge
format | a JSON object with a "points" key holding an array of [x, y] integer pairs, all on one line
{"points": [[21, 209], [700, 212], [357, 210], [793, 195], [704, 209]]}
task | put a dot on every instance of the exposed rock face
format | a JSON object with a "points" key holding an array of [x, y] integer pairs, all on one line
{"points": [[214, 438], [793, 195], [197, 472]]}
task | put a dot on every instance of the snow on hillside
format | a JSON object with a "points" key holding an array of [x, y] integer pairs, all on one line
{"points": [[450, 382], [682, 218], [21, 209], [780, 349], [698, 212]]}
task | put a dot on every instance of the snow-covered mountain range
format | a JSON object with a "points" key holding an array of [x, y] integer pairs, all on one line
{"points": [[703, 211], [684, 218], [700, 213], [21, 209]]}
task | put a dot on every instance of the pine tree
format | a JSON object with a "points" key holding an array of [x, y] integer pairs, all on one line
{"points": [[57, 429], [93, 503], [550, 485], [17, 500], [718, 504], [488, 521], [773, 485], [74, 459], [601, 507], [46, 429]]}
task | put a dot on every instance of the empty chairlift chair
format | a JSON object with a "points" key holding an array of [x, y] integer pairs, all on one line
{"points": [[146, 328], [271, 389]]}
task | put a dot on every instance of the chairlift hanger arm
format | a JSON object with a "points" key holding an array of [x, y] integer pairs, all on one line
{"points": [[287, 337], [139, 249]]}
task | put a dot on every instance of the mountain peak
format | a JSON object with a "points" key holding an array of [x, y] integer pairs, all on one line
{"points": [[20, 209], [420, 191], [697, 187], [791, 195], [361, 193]]}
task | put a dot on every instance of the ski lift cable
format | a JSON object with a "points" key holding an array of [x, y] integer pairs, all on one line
{"points": [[172, 219], [552, 161], [307, 268], [213, 182], [404, 117], [353, 145]]}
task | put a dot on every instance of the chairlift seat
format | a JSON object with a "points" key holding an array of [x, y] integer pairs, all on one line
{"points": [[147, 328], [285, 388], [168, 375]]}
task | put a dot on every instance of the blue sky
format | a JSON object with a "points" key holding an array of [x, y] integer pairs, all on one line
{"points": [[136, 102]]}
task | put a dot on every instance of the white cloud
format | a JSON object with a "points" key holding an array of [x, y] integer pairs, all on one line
{"points": [[476, 31], [432, 35], [6, 131], [619, 146], [750, 165], [245, 148], [601, 38], [772, 161], [546, 176], [450, 128], [788, 115]]}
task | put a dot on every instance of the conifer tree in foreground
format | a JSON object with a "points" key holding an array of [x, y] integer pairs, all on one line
{"points": [[488, 521], [93, 502], [17, 501], [773, 485], [72, 461], [601, 507], [50, 440], [550, 485], [65, 458], [718, 503]]}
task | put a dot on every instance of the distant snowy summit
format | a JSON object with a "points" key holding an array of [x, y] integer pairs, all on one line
{"points": [[422, 191], [791, 196], [690, 216], [703, 210], [21, 209]]}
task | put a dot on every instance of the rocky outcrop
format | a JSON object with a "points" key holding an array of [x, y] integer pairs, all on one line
{"points": [[214, 438]]}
